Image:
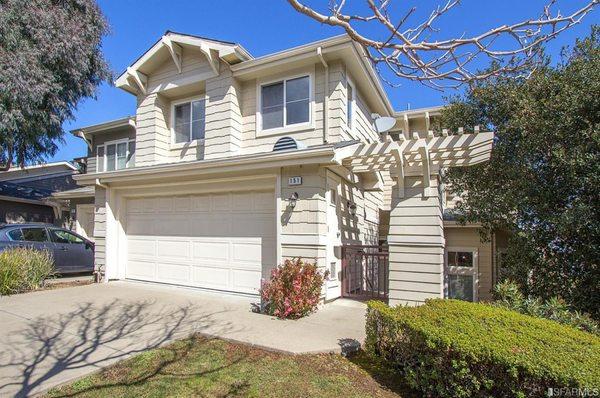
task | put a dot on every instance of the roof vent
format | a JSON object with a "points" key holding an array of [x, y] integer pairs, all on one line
{"points": [[286, 143]]}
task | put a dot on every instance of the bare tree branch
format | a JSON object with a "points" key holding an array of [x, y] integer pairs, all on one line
{"points": [[410, 53]]}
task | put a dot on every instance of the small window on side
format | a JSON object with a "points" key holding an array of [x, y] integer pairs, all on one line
{"points": [[60, 236], [35, 234], [15, 234]]}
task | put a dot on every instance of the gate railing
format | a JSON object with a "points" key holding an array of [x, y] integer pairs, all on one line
{"points": [[365, 272]]}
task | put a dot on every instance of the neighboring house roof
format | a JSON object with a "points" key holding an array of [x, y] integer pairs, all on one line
{"points": [[45, 169], [9, 189], [432, 110], [35, 184], [104, 127]]}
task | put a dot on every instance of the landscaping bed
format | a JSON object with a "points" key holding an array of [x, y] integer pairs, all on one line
{"points": [[202, 367], [451, 348]]}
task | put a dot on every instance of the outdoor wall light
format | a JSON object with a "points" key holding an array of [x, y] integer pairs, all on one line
{"points": [[351, 208], [293, 199]]}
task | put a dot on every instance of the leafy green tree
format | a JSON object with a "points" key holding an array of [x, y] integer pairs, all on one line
{"points": [[543, 180], [50, 59]]}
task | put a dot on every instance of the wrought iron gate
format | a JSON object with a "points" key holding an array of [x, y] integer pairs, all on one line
{"points": [[365, 272]]}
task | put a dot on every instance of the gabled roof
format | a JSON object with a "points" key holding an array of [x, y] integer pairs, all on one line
{"points": [[134, 78]]}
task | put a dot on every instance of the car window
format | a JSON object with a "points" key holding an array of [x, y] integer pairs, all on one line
{"points": [[60, 236], [15, 234], [35, 234]]}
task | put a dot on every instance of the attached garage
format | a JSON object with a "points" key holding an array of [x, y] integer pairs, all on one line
{"points": [[223, 241]]}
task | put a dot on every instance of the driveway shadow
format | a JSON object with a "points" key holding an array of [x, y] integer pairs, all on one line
{"points": [[56, 348]]}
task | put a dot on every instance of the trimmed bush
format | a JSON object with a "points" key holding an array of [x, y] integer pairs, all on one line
{"points": [[451, 348], [508, 295], [23, 269], [293, 290]]}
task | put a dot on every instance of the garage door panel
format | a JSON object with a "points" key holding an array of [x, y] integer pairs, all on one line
{"points": [[182, 203], [200, 203], [140, 269], [247, 252], [140, 224], [174, 249], [177, 273], [248, 225], [217, 225], [264, 201], [171, 225], [221, 202], [217, 241], [211, 277], [246, 280], [140, 247], [211, 251], [240, 202]]}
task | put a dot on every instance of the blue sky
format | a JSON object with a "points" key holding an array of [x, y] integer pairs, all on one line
{"points": [[266, 26]]}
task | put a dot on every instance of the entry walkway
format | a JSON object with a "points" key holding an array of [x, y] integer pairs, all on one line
{"points": [[51, 337]]}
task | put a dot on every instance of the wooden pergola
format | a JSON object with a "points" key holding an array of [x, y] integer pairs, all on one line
{"points": [[419, 156]]}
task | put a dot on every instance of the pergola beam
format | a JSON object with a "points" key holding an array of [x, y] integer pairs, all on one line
{"points": [[439, 151]]}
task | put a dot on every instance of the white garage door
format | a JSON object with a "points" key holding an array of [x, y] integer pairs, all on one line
{"points": [[218, 241]]}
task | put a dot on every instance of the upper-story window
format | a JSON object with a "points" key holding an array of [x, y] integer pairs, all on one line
{"points": [[285, 103], [115, 155], [188, 120]]}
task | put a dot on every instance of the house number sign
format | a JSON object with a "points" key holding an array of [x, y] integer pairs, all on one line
{"points": [[295, 181]]}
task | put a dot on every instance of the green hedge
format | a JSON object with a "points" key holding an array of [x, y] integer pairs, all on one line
{"points": [[451, 348], [23, 269]]}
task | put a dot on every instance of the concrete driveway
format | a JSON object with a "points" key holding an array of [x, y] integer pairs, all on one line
{"points": [[51, 337]]}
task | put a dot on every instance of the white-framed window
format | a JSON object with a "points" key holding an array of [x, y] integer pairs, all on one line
{"points": [[350, 104], [115, 155], [461, 273], [285, 103], [188, 119]]}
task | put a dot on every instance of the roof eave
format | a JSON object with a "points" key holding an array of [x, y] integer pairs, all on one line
{"points": [[324, 154], [101, 127]]}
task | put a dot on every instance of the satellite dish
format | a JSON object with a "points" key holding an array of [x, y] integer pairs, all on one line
{"points": [[383, 124]]}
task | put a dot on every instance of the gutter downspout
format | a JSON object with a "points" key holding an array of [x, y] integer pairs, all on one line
{"points": [[326, 99], [101, 185]]}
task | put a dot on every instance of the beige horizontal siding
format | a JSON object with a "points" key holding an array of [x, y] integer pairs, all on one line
{"points": [[416, 245]]}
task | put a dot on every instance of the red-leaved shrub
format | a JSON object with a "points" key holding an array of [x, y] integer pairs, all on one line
{"points": [[293, 290]]}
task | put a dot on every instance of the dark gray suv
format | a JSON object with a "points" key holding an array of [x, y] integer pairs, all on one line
{"points": [[71, 252]]}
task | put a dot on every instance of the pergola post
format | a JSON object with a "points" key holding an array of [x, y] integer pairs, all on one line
{"points": [[416, 243]]}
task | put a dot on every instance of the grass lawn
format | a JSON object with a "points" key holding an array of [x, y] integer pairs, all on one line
{"points": [[201, 367]]}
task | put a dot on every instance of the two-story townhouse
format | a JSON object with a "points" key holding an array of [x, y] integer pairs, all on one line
{"points": [[233, 163]]}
